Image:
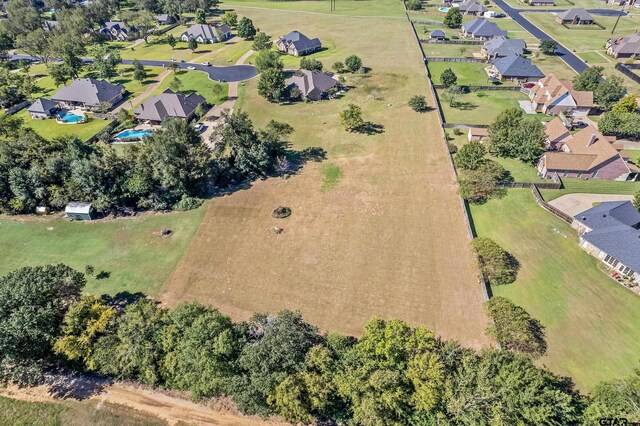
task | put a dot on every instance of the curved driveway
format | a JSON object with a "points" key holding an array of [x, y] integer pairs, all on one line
{"points": [[231, 73]]}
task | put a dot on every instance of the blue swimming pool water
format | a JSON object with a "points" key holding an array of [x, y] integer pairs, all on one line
{"points": [[443, 9], [134, 134], [70, 117]]}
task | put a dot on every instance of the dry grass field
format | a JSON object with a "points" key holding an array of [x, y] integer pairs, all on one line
{"points": [[377, 228]]}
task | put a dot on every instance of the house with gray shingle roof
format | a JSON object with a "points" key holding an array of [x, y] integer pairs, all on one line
{"points": [[498, 47], [168, 104], [515, 68], [481, 29], [42, 108], [164, 19], [577, 16], [297, 44], [472, 7], [624, 47], [542, 2], [89, 93], [437, 35], [314, 84], [207, 34], [610, 231], [116, 31]]}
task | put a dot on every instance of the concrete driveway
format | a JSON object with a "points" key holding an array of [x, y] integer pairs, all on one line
{"points": [[573, 204]]}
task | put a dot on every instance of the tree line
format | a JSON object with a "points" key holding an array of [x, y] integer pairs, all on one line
{"points": [[393, 374], [170, 169]]}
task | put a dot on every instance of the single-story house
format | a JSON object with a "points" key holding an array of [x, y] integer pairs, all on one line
{"points": [[89, 93], [313, 85], [164, 19], [556, 133], [116, 31], [624, 47], [587, 154], [514, 68], [481, 29], [42, 108], [297, 44], [206, 34], [610, 231], [49, 25], [437, 35], [168, 104], [577, 16], [553, 96], [471, 7], [498, 47], [542, 2], [79, 211], [477, 134]]}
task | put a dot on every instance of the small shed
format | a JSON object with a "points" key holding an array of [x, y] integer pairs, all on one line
{"points": [[42, 108], [437, 35], [477, 134], [79, 211]]}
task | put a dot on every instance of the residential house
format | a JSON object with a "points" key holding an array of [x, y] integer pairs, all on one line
{"points": [[49, 25], [79, 211], [42, 108], [314, 85], [514, 68], [553, 96], [624, 47], [116, 31], [207, 34], [165, 19], [437, 35], [610, 232], [499, 47], [297, 44], [587, 154], [542, 2], [168, 104], [477, 134], [481, 29], [556, 134], [89, 93], [472, 7], [577, 16]]}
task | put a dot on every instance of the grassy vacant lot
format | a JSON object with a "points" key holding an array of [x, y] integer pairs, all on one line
{"points": [[197, 81], [130, 250], [591, 321], [70, 413], [376, 229], [479, 107], [450, 50], [49, 129], [592, 187], [160, 50], [382, 8]]}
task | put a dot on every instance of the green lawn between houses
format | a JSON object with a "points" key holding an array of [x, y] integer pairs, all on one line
{"points": [[50, 129], [130, 250], [592, 186], [591, 321], [197, 81], [483, 109]]}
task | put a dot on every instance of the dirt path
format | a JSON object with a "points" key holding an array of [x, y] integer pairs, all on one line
{"points": [[573, 204], [142, 96]]}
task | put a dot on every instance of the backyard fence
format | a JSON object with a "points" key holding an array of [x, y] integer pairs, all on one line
{"points": [[438, 59], [109, 128], [428, 22], [465, 42], [559, 214], [167, 29], [104, 116], [626, 70], [487, 88]]}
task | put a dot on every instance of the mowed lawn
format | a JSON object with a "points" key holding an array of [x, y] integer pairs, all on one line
{"points": [[479, 107], [50, 129], [129, 250], [592, 187], [591, 321], [197, 81], [468, 73], [376, 228]]}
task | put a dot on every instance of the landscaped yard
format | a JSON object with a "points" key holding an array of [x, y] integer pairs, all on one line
{"points": [[197, 81], [131, 251], [50, 129], [481, 107], [158, 49], [591, 321], [594, 186], [469, 73]]}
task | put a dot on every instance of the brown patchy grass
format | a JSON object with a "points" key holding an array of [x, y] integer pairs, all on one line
{"points": [[386, 238]]}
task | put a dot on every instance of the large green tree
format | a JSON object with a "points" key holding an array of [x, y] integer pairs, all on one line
{"points": [[267, 59], [589, 79], [271, 85], [453, 18], [471, 156], [512, 135], [261, 41], [496, 264], [246, 30]]}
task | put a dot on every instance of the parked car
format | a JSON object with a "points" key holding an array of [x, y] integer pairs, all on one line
{"points": [[191, 67], [182, 61], [578, 125], [199, 127], [500, 15], [206, 64]]}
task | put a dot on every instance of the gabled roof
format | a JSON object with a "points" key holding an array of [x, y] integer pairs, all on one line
{"points": [[42, 105], [516, 66], [79, 208], [313, 82], [544, 1], [610, 214], [163, 17], [437, 33], [480, 27], [116, 25], [471, 6], [550, 89], [501, 46], [556, 130], [207, 32], [580, 13], [168, 104], [300, 41], [88, 91], [626, 45], [49, 25]]}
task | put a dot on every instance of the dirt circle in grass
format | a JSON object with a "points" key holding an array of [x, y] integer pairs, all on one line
{"points": [[281, 212]]}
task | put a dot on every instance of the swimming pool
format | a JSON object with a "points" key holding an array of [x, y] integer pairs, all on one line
{"points": [[134, 134], [443, 9], [70, 117]]}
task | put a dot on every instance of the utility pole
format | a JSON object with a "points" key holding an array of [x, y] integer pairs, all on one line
{"points": [[617, 20]]}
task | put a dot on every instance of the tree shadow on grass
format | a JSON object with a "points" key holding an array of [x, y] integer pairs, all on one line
{"points": [[464, 106], [369, 128]]}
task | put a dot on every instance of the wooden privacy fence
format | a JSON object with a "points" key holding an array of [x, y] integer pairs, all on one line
{"points": [[468, 42], [559, 214], [438, 59], [428, 22], [487, 88], [626, 70]]}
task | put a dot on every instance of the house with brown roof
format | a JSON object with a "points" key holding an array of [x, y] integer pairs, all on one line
{"points": [[577, 16], [314, 85], [552, 96], [587, 154], [624, 47], [556, 133]]}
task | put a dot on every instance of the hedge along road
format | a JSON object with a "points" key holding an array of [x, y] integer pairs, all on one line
{"points": [[231, 73]]}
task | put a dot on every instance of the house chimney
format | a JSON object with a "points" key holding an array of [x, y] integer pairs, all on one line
{"points": [[592, 139]]}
